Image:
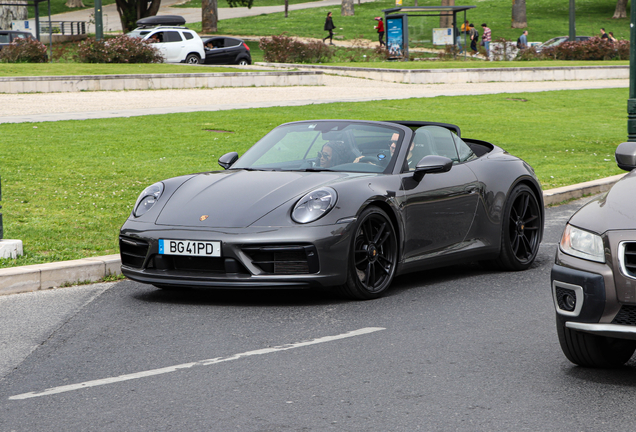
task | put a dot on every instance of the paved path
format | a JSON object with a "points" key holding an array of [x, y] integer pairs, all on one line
{"points": [[37, 107]]}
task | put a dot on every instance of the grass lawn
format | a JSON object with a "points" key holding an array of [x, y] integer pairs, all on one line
{"points": [[58, 6], [257, 3], [546, 19], [50, 69], [67, 186]]}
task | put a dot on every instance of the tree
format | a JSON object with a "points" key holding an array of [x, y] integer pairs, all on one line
{"points": [[347, 8], [74, 4], [210, 13], [209, 16], [621, 9], [446, 19], [132, 10], [519, 19]]}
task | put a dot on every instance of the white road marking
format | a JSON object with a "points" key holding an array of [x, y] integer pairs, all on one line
{"points": [[208, 362]]}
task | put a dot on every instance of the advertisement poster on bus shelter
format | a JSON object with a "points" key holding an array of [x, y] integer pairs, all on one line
{"points": [[395, 35]]}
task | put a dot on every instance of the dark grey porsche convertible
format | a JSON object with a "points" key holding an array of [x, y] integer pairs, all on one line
{"points": [[337, 203]]}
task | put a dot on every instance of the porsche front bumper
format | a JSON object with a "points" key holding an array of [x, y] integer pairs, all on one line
{"points": [[262, 257]]}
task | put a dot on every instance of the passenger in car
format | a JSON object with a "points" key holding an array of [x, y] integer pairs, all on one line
{"points": [[332, 154]]}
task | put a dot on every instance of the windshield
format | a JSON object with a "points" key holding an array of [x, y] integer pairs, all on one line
{"points": [[325, 146], [137, 33], [554, 42]]}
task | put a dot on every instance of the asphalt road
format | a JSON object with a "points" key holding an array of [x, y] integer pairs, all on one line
{"points": [[459, 348]]}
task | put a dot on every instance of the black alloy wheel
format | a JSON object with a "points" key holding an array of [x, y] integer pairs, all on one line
{"points": [[373, 256], [522, 226]]}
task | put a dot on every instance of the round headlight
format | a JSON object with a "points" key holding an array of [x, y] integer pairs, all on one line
{"points": [[147, 199], [314, 205], [582, 244]]}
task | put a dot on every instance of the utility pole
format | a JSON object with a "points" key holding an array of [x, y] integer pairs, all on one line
{"points": [[99, 26]]}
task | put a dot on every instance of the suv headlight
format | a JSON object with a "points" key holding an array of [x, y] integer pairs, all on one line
{"points": [[314, 205], [147, 199], [582, 244]]}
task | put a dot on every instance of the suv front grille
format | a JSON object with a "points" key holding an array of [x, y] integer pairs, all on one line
{"points": [[629, 259], [626, 316], [284, 259]]}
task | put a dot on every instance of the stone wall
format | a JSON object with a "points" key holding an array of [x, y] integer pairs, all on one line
{"points": [[12, 13]]}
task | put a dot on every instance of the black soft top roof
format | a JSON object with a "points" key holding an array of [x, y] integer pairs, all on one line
{"points": [[416, 124]]}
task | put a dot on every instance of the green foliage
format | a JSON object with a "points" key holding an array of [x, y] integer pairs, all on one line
{"points": [[57, 69], [122, 49], [59, 6], [70, 200], [256, 3], [546, 19], [284, 49], [24, 51]]}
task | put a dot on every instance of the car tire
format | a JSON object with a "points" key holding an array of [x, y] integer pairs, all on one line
{"points": [[373, 256], [243, 62], [520, 230], [588, 350], [193, 59]]}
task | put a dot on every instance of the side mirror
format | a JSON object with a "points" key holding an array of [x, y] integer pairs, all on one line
{"points": [[431, 165], [626, 156], [228, 159]]}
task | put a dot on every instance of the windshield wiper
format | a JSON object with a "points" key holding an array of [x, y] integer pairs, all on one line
{"points": [[315, 169]]}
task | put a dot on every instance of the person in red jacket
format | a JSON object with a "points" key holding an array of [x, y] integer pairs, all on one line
{"points": [[380, 28]]}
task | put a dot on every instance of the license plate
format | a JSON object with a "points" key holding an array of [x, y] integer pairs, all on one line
{"points": [[190, 248]]}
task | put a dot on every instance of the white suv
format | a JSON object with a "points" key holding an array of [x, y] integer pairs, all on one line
{"points": [[176, 44]]}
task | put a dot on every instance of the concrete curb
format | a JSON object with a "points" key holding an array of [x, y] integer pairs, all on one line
{"points": [[77, 83], [469, 75], [44, 276]]}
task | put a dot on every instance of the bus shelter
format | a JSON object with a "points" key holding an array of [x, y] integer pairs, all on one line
{"points": [[397, 25]]}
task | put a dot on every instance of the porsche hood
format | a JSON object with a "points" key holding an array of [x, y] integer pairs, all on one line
{"points": [[237, 199]]}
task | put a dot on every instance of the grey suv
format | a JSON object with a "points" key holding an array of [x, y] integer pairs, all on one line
{"points": [[594, 276]]}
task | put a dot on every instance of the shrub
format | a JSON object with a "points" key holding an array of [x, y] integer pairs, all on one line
{"points": [[122, 49], [593, 49], [285, 49], [21, 50]]}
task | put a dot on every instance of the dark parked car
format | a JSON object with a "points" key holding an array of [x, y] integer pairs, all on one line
{"points": [[594, 277], [8, 36], [226, 50], [558, 41], [337, 203]]}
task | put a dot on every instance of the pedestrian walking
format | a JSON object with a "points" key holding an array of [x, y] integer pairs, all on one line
{"points": [[329, 27], [603, 34], [380, 29], [474, 37], [611, 37], [486, 38], [522, 42]]}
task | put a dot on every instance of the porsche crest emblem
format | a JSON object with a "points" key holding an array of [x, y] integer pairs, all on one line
{"points": [[204, 217]]}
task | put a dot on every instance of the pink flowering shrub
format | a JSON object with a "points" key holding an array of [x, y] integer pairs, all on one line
{"points": [[122, 49], [285, 49], [593, 49], [21, 50]]}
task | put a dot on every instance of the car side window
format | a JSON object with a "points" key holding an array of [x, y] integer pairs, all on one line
{"points": [[443, 142], [188, 35], [172, 36], [464, 151], [229, 42]]}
